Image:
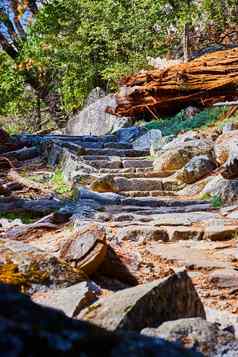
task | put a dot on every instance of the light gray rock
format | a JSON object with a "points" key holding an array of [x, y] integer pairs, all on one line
{"points": [[229, 127], [191, 254], [195, 169], [94, 120], [193, 332], [142, 234], [227, 190], [147, 305], [70, 300], [94, 95], [225, 278], [230, 167], [188, 139], [225, 144], [225, 319], [151, 138], [227, 350], [37, 268], [178, 153]]}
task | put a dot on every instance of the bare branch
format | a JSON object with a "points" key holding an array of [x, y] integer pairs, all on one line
{"points": [[8, 47]]}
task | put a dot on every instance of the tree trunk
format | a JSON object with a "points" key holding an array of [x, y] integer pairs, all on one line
{"points": [[186, 43], [54, 107]]}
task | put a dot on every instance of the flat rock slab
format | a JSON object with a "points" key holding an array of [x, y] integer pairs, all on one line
{"points": [[193, 254], [70, 300], [137, 163], [217, 233], [104, 164], [225, 278], [142, 234], [147, 305], [194, 332], [144, 214]]}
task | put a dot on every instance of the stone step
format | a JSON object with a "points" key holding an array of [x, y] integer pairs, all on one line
{"points": [[74, 146], [93, 145], [139, 163], [104, 164], [99, 158], [133, 172], [146, 184], [114, 145], [107, 183], [83, 138], [149, 193], [118, 152], [114, 199], [110, 162]]}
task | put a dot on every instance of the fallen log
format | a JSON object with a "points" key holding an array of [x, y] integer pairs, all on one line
{"points": [[23, 154], [202, 82], [23, 229], [8, 143], [24, 182], [34, 207]]}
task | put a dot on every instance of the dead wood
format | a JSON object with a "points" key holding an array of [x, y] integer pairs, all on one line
{"points": [[23, 154], [34, 207], [18, 231], [202, 82], [24, 182]]}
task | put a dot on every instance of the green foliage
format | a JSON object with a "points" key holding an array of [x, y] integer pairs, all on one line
{"points": [[59, 185], [215, 200], [14, 99], [87, 43], [181, 123], [25, 217], [75, 45]]}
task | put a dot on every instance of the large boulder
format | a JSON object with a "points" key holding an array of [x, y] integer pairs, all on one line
{"points": [[87, 248], [94, 120], [151, 138], [230, 167], [192, 332], [172, 160], [94, 95], [29, 268], [195, 169], [226, 190], [70, 300], [31, 330], [147, 305], [188, 139], [174, 155], [225, 144]]}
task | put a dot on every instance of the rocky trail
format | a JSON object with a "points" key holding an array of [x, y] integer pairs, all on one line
{"points": [[132, 218]]}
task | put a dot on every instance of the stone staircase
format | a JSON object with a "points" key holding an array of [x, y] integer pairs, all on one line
{"points": [[120, 186], [150, 225]]}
